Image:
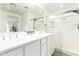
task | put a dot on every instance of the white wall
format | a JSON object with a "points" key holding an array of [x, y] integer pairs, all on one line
{"points": [[67, 34], [70, 34], [40, 25], [24, 23], [57, 33]]}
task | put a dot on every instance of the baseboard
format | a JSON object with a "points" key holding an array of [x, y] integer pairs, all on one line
{"points": [[66, 52]]}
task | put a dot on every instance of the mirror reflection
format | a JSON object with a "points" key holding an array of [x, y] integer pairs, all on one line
{"points": [[19, 17]]}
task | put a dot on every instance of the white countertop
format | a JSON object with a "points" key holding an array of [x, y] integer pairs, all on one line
{"points": [[21, 40]]}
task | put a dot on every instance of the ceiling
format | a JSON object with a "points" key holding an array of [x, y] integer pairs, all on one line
{"points": [[38, 9], [55, 8]]}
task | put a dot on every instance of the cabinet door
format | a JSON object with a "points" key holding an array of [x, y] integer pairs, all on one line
{"points": [[50, 45], [43, 47], [44, 50], [15, 52], [33, 49]]}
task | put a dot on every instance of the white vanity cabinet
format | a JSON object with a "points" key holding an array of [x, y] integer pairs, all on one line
{"points": [[14, 52], [33, 49], [41, 46], [47, 48], [44, 50]]}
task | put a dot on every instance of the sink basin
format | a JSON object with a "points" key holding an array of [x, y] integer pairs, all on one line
{"points": [[7, 36], [18, 35]]}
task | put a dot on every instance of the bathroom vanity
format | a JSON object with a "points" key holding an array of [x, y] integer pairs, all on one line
{"points": [[22, 44]]}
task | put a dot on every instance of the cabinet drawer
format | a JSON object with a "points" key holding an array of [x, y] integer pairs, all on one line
{"points": [[33, 49], [43, 41]]}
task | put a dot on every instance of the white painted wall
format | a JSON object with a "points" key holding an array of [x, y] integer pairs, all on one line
{"points": [[67, 34], [58, 36], [29, 21], [70, 34], [40, 25], [57, 33], [24, 23]]}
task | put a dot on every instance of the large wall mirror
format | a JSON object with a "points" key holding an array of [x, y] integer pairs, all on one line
{"points": [[12, 23]]}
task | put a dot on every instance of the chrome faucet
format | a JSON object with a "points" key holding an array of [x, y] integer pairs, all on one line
{"points": [[30, 32]]}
